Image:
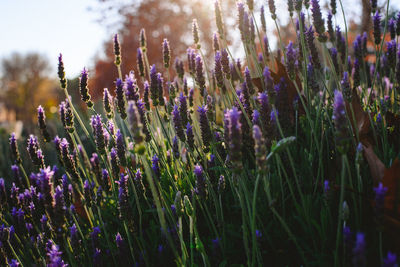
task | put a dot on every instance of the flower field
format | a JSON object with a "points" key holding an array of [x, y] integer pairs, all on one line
{"points": [[285, 156]]}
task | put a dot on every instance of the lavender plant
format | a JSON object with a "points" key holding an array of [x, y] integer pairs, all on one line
{"points": [[272, 158]]}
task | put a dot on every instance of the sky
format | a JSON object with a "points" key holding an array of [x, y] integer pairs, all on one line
{"points": [[69, 27], [51, 27]]}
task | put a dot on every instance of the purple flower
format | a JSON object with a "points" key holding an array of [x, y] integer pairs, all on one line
{"points": [[392, 29], [225, 63], [166, 53], [130, 87], [105, 179], [333, 52], [221, 184], [339, 118], [123, 202], [346, 87], [94, 236], [183, 109], [14, 263], [191, 55], [331, 31], [319, 23], [120, 244], [119, 92], [291, 60], [355, 74], [262, 18], [146, 92], [191, 94], [135, 122], [61, 72], [309, 34], [218, 70], [358, 47], [269, 83], [14, 148], [376, 19], [98, 132], [117, 50], [142, 113], [179, 68], [258, 234], [233, 136], [176, 117], [259, 148], [256, 118], [114, 163], [83, 87], [190, 136], [59, 207], [390, 260], [160, 82], [380, 193], [249, 83], [74, 237], [107, 103], [206, 135], [121, 147], [201, 186], [42, 124], [175, 147], [200, 80], [391, 54], [154, 85], [326, 187], [155, 166], [359, 251]]}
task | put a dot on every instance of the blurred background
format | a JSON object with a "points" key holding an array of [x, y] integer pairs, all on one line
{"points": [[35, 32]]}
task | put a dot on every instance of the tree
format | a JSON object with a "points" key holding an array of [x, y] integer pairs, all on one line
{"points": [[171, 19], [25, 85]]}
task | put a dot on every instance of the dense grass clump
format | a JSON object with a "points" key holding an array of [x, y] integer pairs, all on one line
{"points": [[276, 159]]}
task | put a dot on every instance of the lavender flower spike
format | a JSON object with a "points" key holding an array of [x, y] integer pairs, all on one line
{"points": [[200, 80], [376, 19], [83, 87], [119, 92], [201, 186], [359, 251], [206, 135], [176, 117], [233, 136], [135, 123], [340, 121], [42, 124], [166, 54], [61, 72], [319, 23], [14, 148], [291, 60]]}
